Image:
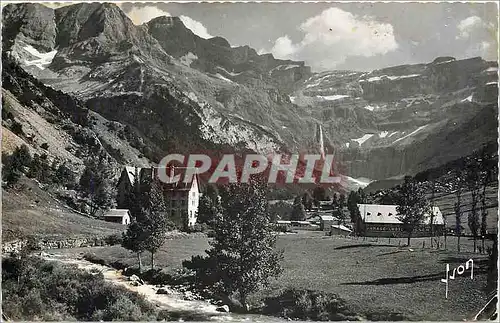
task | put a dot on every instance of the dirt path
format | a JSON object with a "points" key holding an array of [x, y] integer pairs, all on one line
{"points": [[173, 301]]}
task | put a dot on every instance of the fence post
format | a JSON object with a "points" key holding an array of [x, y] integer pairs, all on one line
{"points": [[423, 244]]}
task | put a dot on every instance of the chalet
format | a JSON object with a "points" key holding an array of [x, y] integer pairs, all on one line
{"points": [[382, 220], [121, 216], [182, 198]]}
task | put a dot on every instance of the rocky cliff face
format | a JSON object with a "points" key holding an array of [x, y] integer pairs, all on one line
{"points": [[182, 93], [404, 119], [216, 55], [439, 77]]}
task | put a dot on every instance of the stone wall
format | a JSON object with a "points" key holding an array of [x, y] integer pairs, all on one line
{"points": [[45, 244]]}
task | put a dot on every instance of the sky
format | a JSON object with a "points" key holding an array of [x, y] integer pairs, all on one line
{"points": [[336, 35]]}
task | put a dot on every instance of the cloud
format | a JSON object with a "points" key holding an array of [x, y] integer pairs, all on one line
{"points": [[140, 15], [476, 35], [330, 37], [196, 27], [469, 25]]}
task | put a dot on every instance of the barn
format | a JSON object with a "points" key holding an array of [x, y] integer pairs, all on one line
{"points": [[326, 222], [382, 221], [121, 216]]}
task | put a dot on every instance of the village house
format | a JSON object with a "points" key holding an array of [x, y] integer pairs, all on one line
{"points": [[121, 216], [182, 199], [382, 221]]}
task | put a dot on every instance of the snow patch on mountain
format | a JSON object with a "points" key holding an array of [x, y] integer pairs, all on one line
{"points": [[467, 99], [360, 182], [383, 134], [491, 69], [284, 67], [390, 77], [372, 107], [332, 97], [227, 72], [363, 139], [188, 59], [393, 133], [219, 76], [42, 58], [410, 134]]}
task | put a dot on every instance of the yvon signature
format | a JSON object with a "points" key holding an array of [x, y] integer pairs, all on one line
{"points": [[458, 270]]}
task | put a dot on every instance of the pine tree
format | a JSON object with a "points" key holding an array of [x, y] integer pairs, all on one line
{"points": [[95, 184], [298, 210], [412, 205], [134, 239]]}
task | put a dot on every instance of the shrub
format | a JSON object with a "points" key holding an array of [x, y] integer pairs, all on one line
{"points": [[198, 227], [44, 146], [308, 305], [94, 259], [34, 289], [114, 239], [17, 128]]}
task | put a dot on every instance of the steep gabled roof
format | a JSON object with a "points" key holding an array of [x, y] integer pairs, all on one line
{"points": [[387, 214], [131, 171], [118, 213]]}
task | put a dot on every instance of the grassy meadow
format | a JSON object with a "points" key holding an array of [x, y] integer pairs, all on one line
{"points": [[371, 275]]}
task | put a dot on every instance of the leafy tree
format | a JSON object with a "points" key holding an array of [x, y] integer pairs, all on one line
{"points": [[352, 205], [341, 202], [40, 169], [431, 208], [64, 175], [95, 184], [134, 239], [156, 221], [242, 257], [362, 198], [473, 184], [457, 185], [319, 194], [298, 211], [412, 205], [307, 200], [208, 206], [334, 200], [487, 166]]}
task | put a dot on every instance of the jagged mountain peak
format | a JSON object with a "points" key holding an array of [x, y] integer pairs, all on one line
{"points": [[82, 21], [31, 23]]}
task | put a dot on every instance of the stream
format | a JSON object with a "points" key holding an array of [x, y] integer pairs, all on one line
{"points": [[173, 301]]}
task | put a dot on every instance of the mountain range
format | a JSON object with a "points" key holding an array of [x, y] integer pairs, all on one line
{"points": [[146, 91]]}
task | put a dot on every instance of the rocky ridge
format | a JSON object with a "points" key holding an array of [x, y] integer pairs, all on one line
{"points": [[182, 93]]}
